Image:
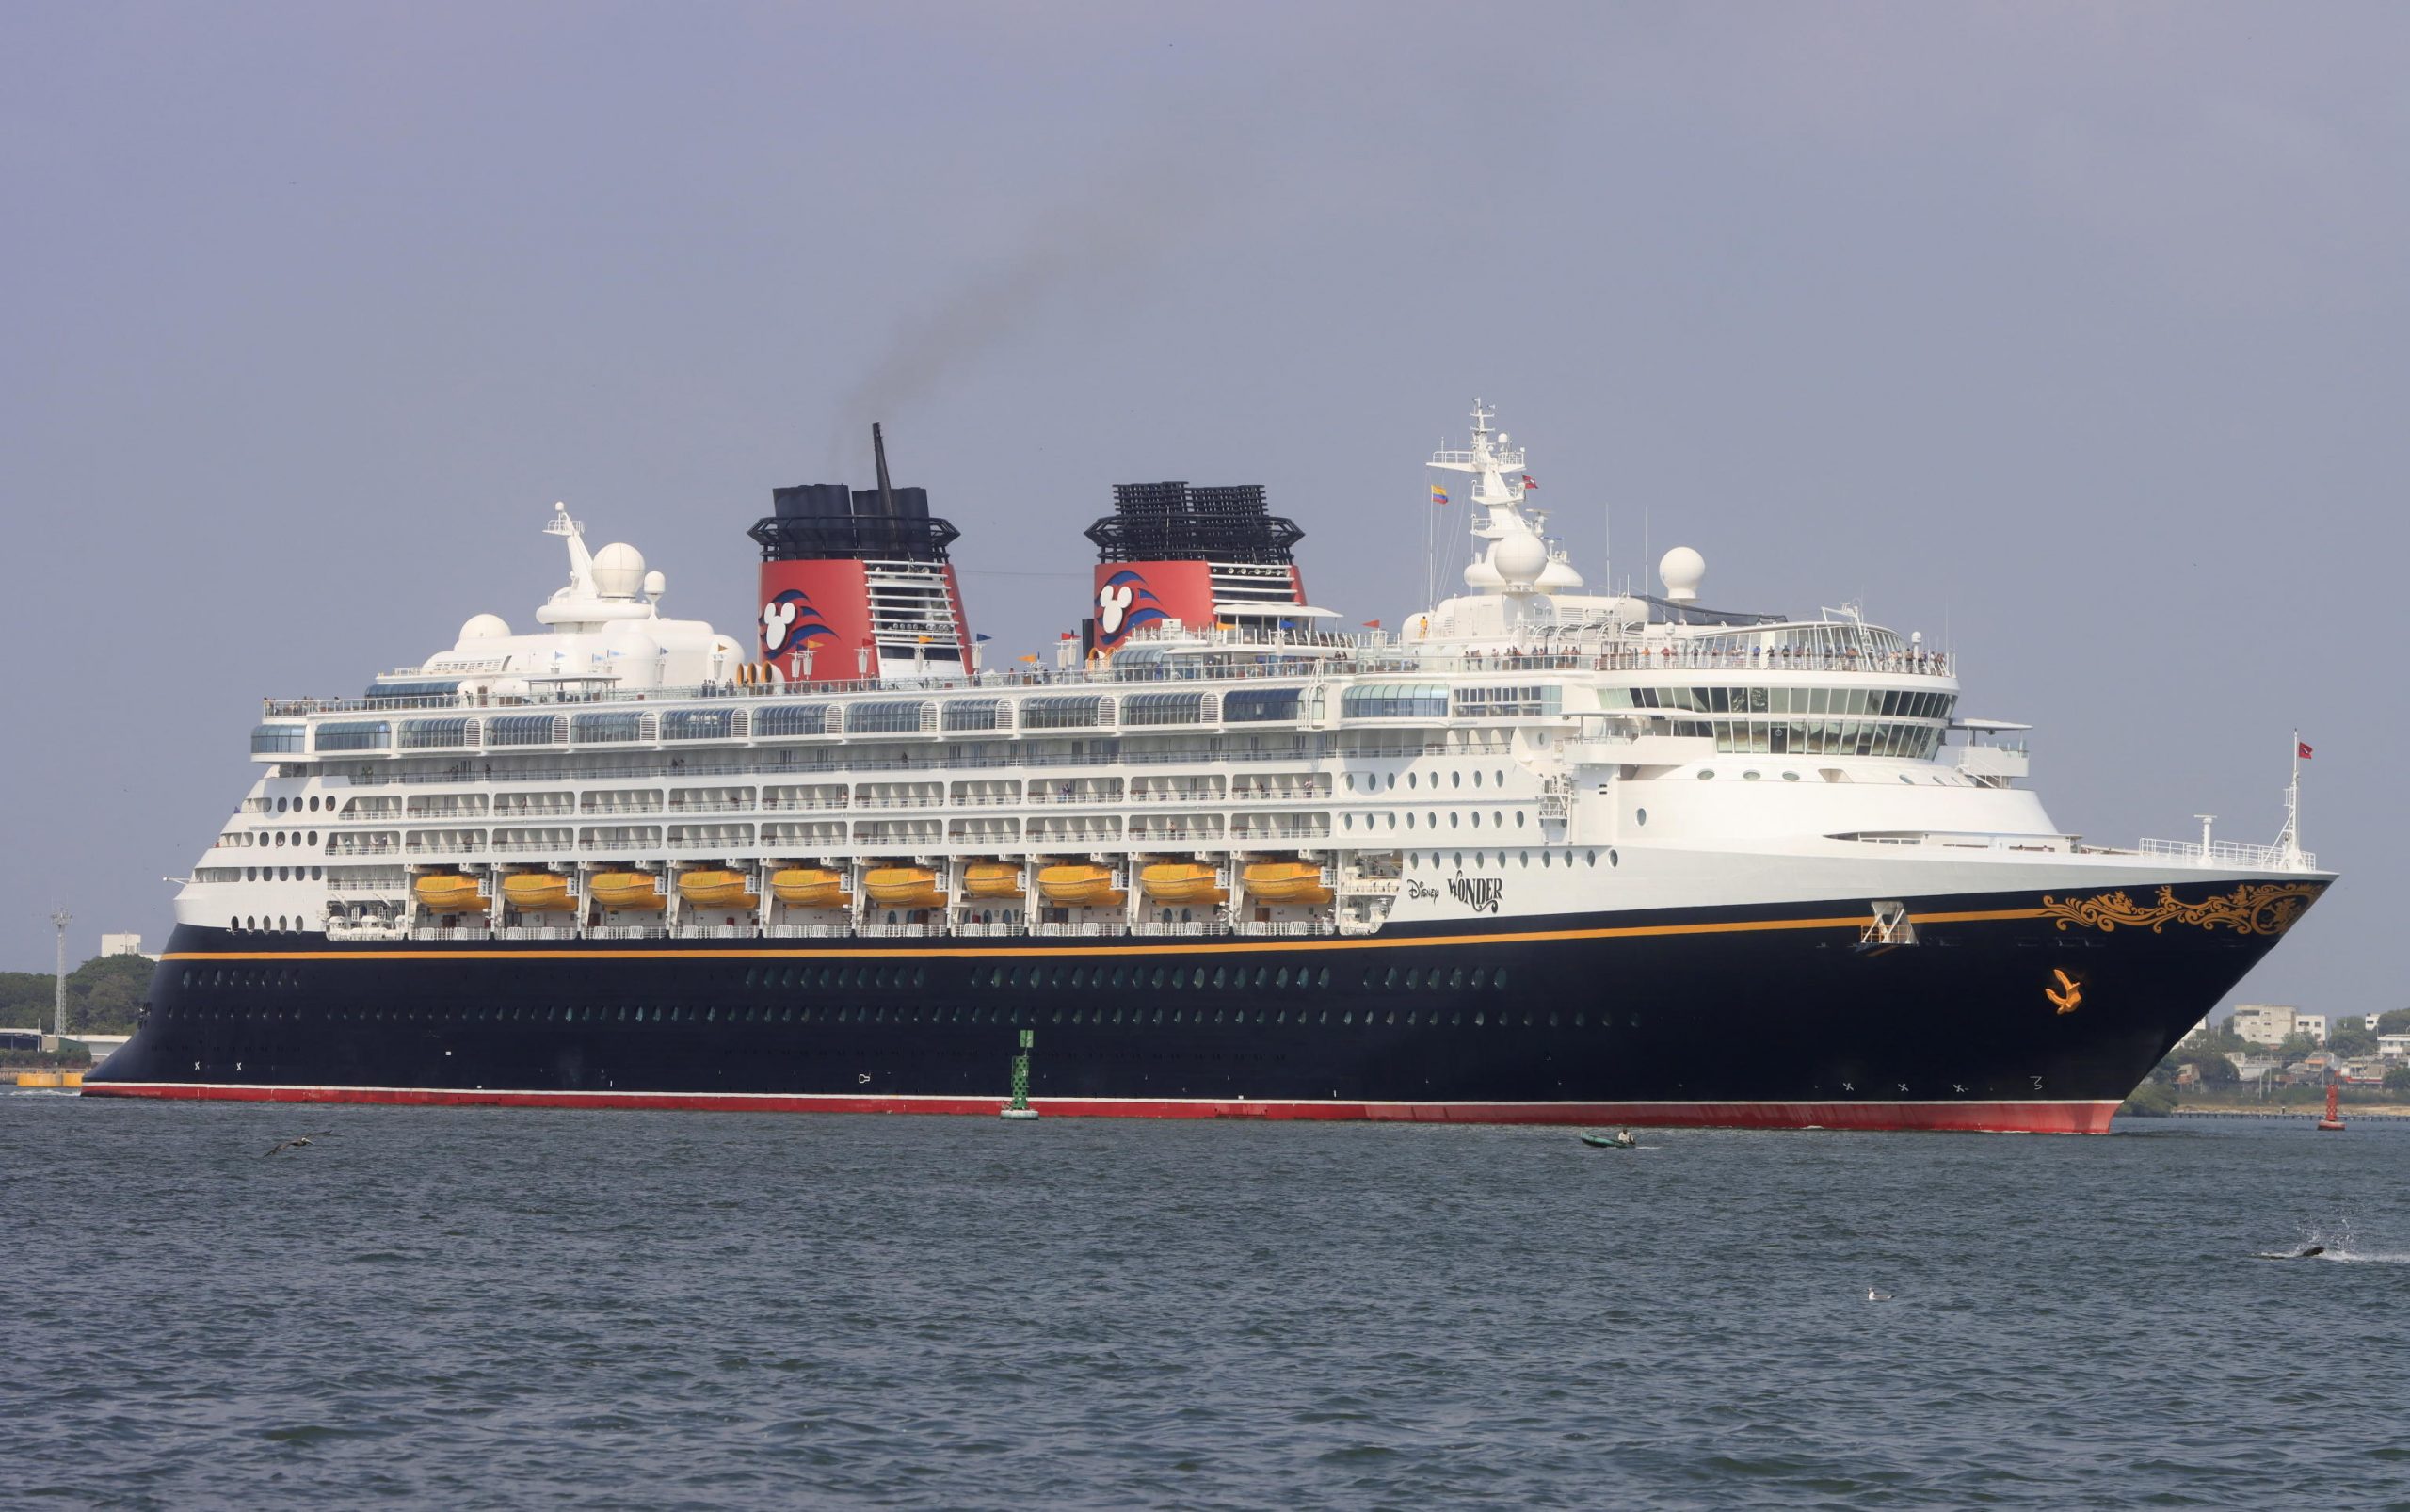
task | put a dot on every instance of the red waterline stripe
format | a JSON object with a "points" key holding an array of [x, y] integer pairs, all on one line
{"points": [[2035, 1117]]}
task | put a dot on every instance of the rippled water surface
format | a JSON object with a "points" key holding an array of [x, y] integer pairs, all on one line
{"points": [[486, 1308]]}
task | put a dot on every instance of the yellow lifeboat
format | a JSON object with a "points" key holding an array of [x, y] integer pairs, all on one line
{"points": [[719, 889], [1286, 882], [537, 892], [639, 891], [1080, 885], [991, 879], [450, 892], [809, 887], [904, 887], [1182, 882]]}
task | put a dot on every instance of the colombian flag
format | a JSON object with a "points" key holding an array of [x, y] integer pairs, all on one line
{"points": [[1438, 494]]}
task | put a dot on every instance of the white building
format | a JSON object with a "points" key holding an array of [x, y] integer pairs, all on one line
{"points": [[2264, 1024], [2312, 1024], [2393, 1047], [121, 945]]}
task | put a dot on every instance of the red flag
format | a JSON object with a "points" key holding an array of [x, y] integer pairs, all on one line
{"points": [[1530, 482], [1372, 624], [2302, 747]]}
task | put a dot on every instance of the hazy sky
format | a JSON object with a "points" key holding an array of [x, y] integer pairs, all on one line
{"points": [[2074, 334]]}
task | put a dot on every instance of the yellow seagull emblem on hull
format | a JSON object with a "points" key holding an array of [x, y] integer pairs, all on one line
{"points": [[2069, 996]]}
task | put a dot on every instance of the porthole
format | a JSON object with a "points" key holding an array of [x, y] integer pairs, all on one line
{"points": [[280, 805], [1455, 779], [1476, 780], [313, 837], [1640, 815], [1497, 817], [1707, 776], [1409, 820], [1751, 777], [1413, 779], [1453, 819], [1905, 778], [1476, 818], [1518, 818]]}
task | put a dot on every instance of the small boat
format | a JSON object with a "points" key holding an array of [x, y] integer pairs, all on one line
{"points": [[637, 892], [809, 887], [1286, 882], [1080, 885], [991, 879], [1620, 1139], [537, 892], [1184, 883], [904, 887], [718, 888], [450, 892]]}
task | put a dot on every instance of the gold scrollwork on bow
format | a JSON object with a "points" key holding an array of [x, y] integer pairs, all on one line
{"points": [[2250, 908]]}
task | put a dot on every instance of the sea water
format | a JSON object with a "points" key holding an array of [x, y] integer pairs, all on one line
{"points": [[476, 1308]]}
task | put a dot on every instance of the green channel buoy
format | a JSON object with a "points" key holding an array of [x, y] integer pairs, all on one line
{"points": [[1019, 1110]]}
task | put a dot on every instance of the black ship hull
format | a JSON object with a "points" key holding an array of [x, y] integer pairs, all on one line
{"points": [[2007, 1011]]}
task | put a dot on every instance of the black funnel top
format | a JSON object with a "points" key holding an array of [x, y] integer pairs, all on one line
{"points": [[1175, 522]]}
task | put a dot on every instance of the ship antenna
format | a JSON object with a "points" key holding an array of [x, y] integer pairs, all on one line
{"points": [[886, 490]]}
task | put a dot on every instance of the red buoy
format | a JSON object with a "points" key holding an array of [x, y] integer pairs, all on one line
{"points": [[2334, 1119]]}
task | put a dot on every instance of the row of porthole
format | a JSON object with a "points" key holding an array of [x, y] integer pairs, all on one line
{"points": [[262, 924], [1751, 777], [1497, 817], [283, 837], [915, 1014], [1175, 979], [296, 805], [207, 977], [1523, 858], [284, 874], [1378, 781]]}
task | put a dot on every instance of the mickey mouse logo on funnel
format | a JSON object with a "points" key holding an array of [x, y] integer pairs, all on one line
{"points": [[1123, 603], [789, 622]]}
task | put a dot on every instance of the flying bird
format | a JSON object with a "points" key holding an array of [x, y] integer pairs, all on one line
{"points": [[297, 1141]]}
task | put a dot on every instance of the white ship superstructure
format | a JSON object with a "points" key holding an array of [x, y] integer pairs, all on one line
{"points": [[1525, 746]]}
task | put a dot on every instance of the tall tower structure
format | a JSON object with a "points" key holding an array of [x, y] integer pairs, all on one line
{"points": [[58, 1004]]}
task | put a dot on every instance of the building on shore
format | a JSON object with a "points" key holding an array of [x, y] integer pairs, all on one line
{"points": [[123, 945], [2264, 1024]]}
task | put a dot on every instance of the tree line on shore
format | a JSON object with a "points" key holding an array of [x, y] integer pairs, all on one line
{"points": [[104, 996]]}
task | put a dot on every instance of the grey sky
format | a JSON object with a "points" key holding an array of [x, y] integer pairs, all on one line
{"points": [[2077, 335]]}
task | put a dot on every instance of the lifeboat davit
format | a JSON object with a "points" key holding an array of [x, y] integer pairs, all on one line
{"points": [[904, 887], [450, 892], [1286, 882], [991, 879], [719, 889], [1182, 882], [537, 892], [639, 891], [1080, 885], [809, 887]]}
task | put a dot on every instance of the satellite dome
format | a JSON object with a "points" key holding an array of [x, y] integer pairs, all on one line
{"points": [[656, 584], [1681, 571], [618, 571], [485, 627], [1519, 559], [1559, 576], [1481, 577]]}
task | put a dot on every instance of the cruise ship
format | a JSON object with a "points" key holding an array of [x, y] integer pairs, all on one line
{"points": [[1538, 853]]}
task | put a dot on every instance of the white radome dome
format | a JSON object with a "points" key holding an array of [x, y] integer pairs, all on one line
{"points": [[1559, 576], [1519, 559], [485, 627], [1682, 571], [1481, 577], [618, 571]]}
